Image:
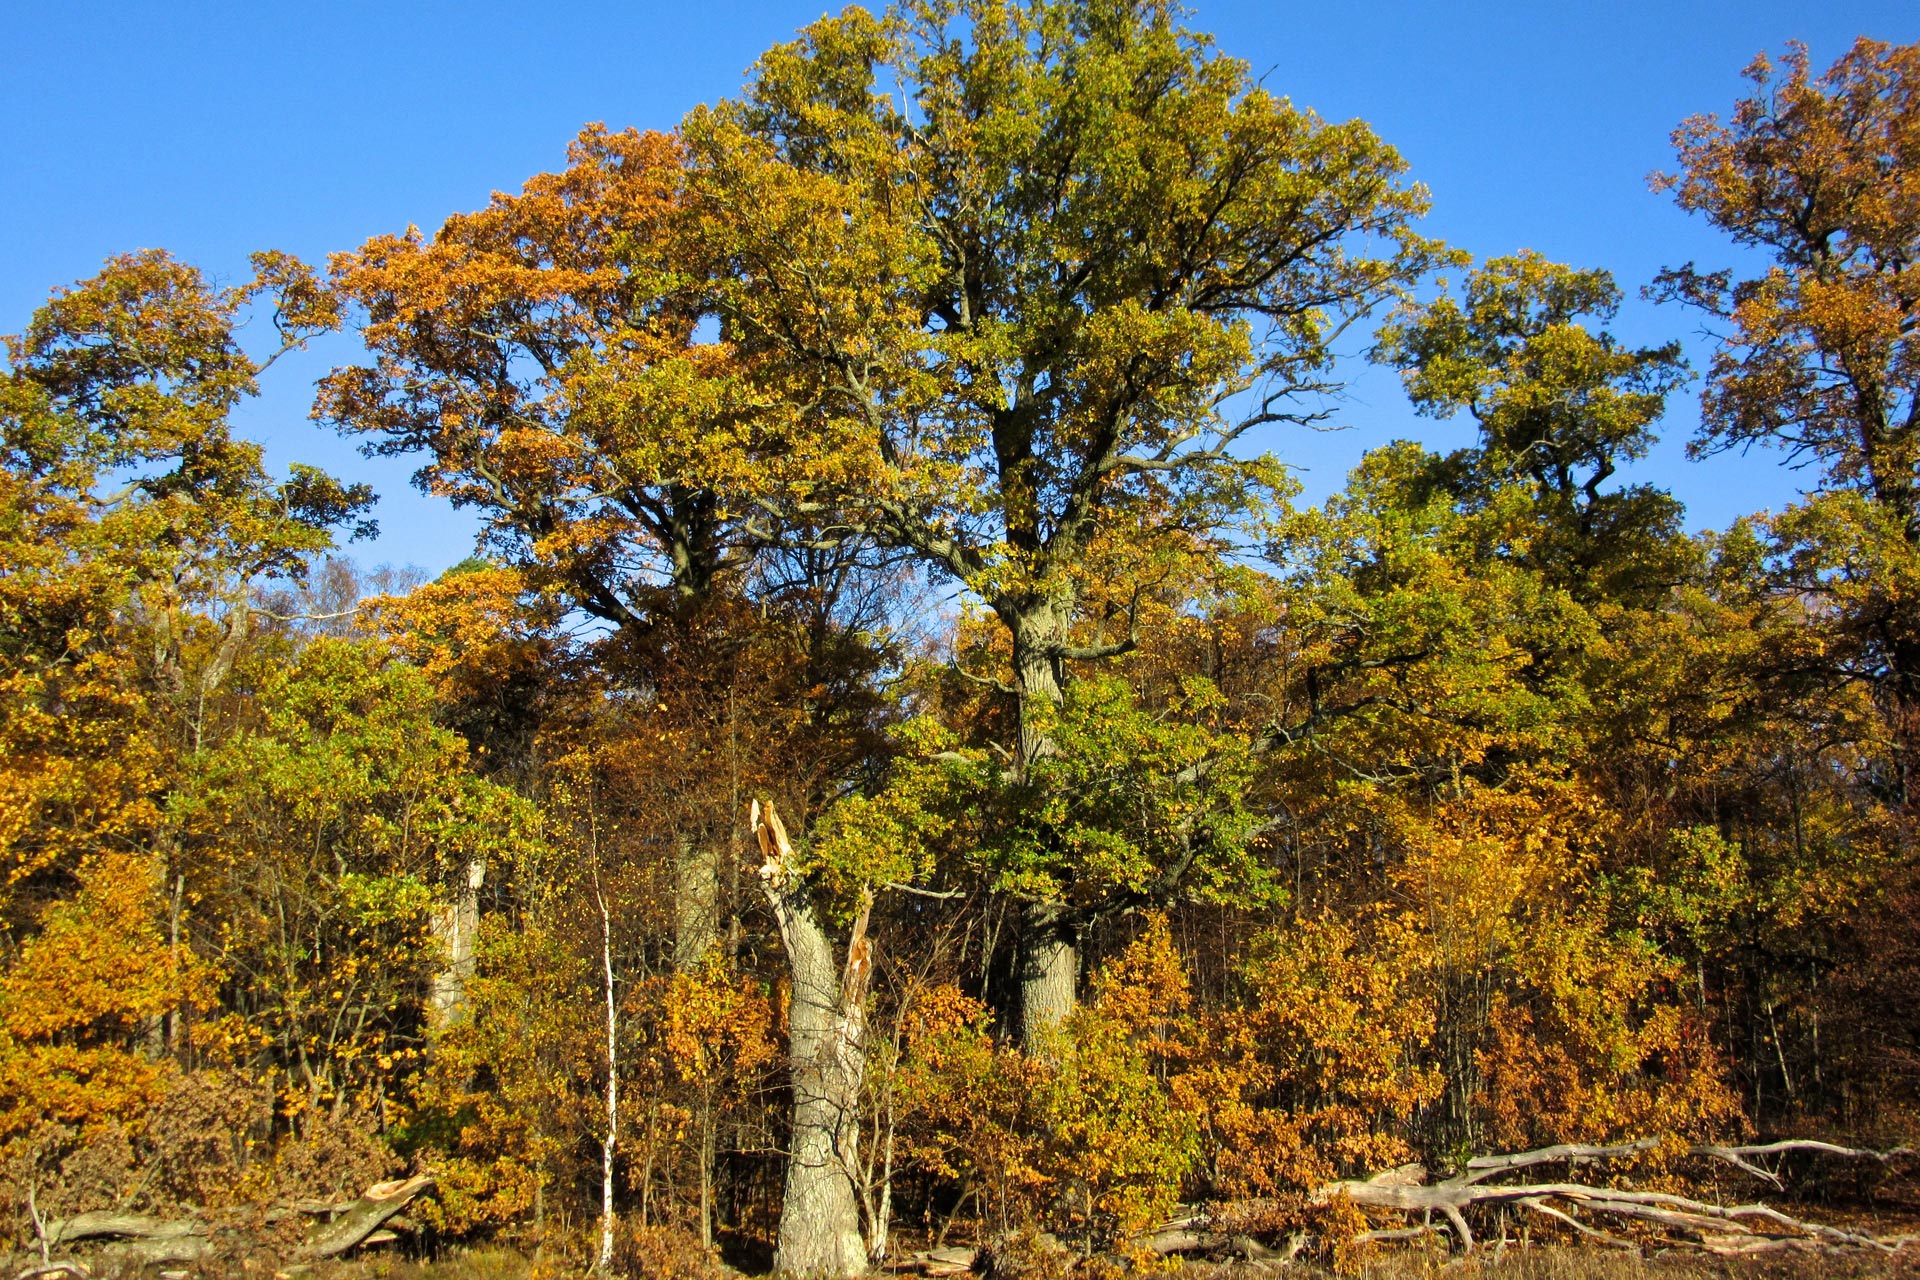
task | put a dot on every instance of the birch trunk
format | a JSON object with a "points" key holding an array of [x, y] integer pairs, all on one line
{"points": [[820, 1212], [613, 1088]]}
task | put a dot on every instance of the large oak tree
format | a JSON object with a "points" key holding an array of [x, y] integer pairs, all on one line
{"points": [[1043, 268]]}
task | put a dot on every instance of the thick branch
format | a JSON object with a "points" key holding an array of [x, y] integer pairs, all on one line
{"points": [[365, 1216]]}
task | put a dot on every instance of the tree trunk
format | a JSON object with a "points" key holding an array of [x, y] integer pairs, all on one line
{"points": [[1903, 713], [1049, 973], [365, 1216], [1039, 674], [1049, 959], [820, 1214], [696, 904], [607, 1143], [454, 927]]}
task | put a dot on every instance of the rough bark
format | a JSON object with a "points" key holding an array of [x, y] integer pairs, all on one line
{"points": [[820, 1213], [133, 1226], [1049, 973], [1039, 635], [696, 904], [455, 926], [155, 1252]]}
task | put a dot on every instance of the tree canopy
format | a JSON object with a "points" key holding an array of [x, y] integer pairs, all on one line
{"points": [[904, 780]]}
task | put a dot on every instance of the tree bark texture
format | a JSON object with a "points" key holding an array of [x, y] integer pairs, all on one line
{"points": [[1039, 634], [607, 1143], [820, 1212], [365, 1216], [455, 926], [1049, 973]]}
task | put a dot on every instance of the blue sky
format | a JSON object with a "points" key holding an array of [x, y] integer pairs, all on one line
{"points": [[213, 129]]}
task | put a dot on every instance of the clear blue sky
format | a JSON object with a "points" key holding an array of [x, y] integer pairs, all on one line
{"points": [[213, 129]]}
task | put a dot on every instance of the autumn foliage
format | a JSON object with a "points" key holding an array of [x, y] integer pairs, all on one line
{"points": [[1156, 840]]}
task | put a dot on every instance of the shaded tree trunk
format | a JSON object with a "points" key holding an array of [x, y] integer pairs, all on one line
{"points": [[1049, 956], [696, 903], [820, 1212], [1903, 706]]}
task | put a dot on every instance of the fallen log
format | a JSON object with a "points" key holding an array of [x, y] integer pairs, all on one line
{"points": [[1687, 1222], [1197, 1232], [941, 1262], [162, 1250], [136, 1237], [374, 1218], [94, 1226], [1541, 1207], [364, 1216]]}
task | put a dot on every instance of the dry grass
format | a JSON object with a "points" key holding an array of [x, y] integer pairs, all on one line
{"points": [[1552, 1263], [1563, 1263], [475, 1264]]}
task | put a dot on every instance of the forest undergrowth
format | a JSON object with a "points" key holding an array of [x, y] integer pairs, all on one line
{"points": [[1516, 1262]]}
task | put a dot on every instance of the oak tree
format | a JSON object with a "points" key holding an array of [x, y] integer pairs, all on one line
{"points": [[1043, 268], [1816, 353]]}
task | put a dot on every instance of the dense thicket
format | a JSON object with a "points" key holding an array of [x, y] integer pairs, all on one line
{"points": [[900, 752]]}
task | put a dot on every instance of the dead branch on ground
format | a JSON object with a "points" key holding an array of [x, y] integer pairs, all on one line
{"points": [[1673, 1220]]}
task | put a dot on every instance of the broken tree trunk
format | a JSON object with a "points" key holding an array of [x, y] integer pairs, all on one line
{"points": [[144, 1239], [826, 1038], [455, 926], [364, 1216]]}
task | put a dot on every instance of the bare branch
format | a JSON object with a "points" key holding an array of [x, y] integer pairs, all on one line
{"points": [[942, 895]]}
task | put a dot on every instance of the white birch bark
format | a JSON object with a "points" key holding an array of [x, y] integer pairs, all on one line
{"points": [[613, 1088]]}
